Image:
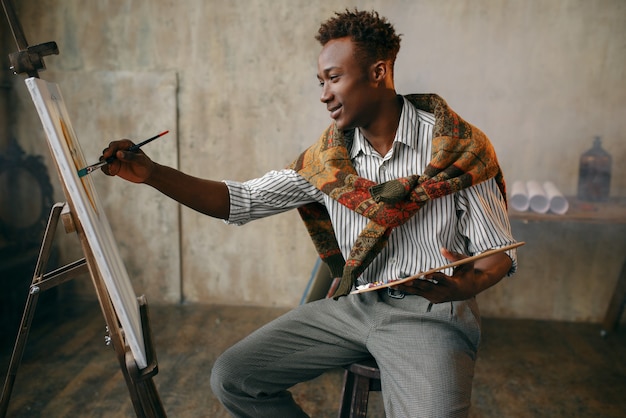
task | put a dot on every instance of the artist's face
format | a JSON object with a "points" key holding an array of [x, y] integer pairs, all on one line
{"points": [[347, 88]]}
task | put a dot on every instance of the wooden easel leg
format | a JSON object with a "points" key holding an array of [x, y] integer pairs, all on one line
{"points": [[18, 349], [140, 383], [150, 396], [143, 392], [40, 282]]}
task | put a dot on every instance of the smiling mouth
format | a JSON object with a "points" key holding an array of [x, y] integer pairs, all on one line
{"points": [[334, 111]]}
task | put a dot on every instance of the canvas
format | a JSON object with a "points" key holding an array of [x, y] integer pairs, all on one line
{"points": [[83, 199]]}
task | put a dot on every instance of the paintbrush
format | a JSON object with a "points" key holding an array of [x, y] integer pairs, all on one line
{"points": [[84, 171]]}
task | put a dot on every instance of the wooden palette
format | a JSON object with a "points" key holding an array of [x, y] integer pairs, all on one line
{"points": [[381, 285]]}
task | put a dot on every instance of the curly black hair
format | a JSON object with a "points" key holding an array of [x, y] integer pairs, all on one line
{"points": [[375, 38]]}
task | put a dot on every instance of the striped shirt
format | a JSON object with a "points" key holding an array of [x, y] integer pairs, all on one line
{"points": [[470, 221]]}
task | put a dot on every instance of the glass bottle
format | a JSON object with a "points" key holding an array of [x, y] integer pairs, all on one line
{"points": [[594, 175]]}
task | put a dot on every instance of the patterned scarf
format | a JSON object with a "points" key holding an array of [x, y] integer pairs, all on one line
{"points": [[462, 156]]}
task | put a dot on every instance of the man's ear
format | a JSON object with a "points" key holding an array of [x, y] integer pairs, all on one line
{"points": [[380, 70]]}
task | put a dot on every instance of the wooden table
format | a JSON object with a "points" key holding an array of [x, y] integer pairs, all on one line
{"points": [[612, 212]]}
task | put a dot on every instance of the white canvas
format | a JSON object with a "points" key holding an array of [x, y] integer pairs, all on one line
{"points": [[68, 157]]}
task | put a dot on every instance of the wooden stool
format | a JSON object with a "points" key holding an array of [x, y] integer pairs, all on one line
{"points": [[360, 378]]}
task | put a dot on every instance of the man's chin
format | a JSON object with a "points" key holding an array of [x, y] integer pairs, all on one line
{"points": [[342, 125]]}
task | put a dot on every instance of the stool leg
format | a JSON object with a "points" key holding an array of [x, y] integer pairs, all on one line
{"points": [[355, 396], [616, 306], [346, 395]]}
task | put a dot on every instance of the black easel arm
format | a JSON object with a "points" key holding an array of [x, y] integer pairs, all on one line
{"points": [[14, 23], [28, 59]]}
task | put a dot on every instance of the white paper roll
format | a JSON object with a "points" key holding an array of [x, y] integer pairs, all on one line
{"points": [[538, 199], [519, 196], [558, 202]]}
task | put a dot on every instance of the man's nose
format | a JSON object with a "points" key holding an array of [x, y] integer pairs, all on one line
{"points": [[326, 95]]}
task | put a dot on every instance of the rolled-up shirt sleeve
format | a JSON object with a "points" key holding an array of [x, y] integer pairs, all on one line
{"points": [[275, 192], [484, 220]]}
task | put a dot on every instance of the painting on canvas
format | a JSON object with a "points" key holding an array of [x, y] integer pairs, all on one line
{"points": [[68, 157]]}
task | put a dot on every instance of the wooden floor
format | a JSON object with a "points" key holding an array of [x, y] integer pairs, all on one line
{"points": [[525, 368]]}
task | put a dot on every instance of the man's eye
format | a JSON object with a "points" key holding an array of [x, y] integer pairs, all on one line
{"points": [[332, 78]]}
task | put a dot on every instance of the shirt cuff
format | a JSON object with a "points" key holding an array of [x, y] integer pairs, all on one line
{"points": [[239, 203]]}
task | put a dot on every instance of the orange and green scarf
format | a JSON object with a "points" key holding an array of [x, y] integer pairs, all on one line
{"points": [[462, 156]]}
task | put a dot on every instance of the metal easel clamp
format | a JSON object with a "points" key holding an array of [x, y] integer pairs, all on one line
{"points": [[30, 60]]}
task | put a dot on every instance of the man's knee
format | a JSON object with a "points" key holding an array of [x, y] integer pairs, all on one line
{"points": [[222, 379]]}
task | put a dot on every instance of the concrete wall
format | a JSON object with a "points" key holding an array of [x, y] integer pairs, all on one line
{"points": [[236, 84]]}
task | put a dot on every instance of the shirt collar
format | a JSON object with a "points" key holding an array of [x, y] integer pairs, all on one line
{"points": [[407, 133]]}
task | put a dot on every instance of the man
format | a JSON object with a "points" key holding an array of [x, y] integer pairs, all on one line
{"points": [[396, 185]]}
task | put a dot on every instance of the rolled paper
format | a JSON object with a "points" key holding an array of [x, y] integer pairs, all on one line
{"points": [[558, 202], [538, 199], [519, 196]]}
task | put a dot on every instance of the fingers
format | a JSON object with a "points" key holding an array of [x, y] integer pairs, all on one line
{"points": [[116, 154], [127, 157], [115, 146], [418, 286]]}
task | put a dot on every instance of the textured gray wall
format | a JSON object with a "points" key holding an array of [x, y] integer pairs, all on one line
{"points": [[236, 84]]}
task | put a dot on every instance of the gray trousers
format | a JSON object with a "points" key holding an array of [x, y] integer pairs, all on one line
{"points": [[426, 355]]}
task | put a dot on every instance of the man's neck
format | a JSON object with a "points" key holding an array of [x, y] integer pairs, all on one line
{"points": [[382, 132]]}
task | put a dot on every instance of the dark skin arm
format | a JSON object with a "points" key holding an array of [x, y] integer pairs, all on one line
{"points": [[205, 196], [212, 198], [467, 280]]}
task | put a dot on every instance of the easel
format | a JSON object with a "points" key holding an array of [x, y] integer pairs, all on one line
{"points": [[144, 396]]}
